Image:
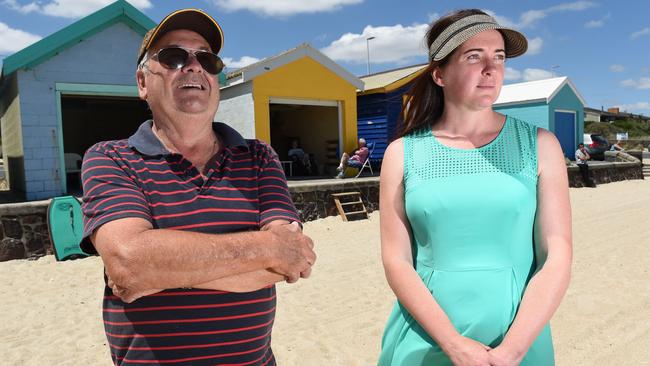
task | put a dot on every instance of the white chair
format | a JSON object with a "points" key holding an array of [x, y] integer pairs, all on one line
{"points": [[73, 166], [72, 163], [366, 164]]}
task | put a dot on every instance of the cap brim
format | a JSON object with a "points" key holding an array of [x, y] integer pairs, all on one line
{"points": [[191, 19], [515, 43]]}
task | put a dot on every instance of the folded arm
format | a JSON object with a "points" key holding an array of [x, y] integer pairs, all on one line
{"points": [[140, 260]]}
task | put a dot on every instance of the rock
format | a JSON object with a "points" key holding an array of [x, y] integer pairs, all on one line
{"points": [[34, 242], [32, 219], [11, 249], [12, 227]]}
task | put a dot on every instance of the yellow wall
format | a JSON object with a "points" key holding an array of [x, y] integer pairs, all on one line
{"points": [[305, 79]]}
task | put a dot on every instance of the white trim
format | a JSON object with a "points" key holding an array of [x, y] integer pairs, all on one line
{"points": [[567, 81], [509, 104], [313, 102], [252, 71], [340, 108]]}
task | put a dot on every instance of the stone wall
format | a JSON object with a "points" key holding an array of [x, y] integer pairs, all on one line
{"points": [[23, 230], [24, 233], [314, 201], [606, 173]]}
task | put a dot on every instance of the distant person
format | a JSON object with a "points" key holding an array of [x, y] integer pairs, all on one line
{"points": [[617, 146], [194, 224], [300, 157], [475, 216], [354, 160], [582, 158]]}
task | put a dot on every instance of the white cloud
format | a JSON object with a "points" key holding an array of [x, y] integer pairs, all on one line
{"points": [[13, 40], [504, 21], [280, 8], [530, 18], [433, 17], [238, 64], [68, 8], [512, 74], [535, 46], [642, 83], [634, 106], [595, 23], [643, 32], [398, 44], [576, 6], [616, 68], [527, 75], [537, 74]]}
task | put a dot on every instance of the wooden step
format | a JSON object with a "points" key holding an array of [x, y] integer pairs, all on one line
{"points": [[355, 202]]}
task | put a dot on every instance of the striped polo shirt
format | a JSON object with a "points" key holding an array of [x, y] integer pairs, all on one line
{"points": [[244, 189]]}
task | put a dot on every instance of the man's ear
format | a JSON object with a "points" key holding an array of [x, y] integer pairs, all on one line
{"points": [[436, 76], [142, 86]]}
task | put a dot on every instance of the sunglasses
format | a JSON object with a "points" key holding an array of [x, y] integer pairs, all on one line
{"points": [[175, 58]]}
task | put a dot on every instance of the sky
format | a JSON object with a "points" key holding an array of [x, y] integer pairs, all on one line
{"points": [[602, 46]]}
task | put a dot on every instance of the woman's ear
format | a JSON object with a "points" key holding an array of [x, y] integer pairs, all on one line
{"points": [[436, 76], [142, 87]]}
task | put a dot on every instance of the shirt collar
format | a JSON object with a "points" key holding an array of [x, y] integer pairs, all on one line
{"points": [[147, 143]]}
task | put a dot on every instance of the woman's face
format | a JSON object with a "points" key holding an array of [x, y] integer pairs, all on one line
{"points": [[473, 76]]}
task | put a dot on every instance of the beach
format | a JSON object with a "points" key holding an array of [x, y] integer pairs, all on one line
{"points": [[51, 311]]}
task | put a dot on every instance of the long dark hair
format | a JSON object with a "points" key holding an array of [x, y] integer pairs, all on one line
{"points": [[424, 101]]}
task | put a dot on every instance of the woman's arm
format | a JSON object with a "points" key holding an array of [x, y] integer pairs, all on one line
{"points": [[398, 265], [552, 250]]}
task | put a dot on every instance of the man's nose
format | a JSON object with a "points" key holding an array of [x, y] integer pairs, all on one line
{"points": [[192, 64]]}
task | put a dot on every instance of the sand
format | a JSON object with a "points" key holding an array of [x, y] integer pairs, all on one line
{"points": [[51, 311]]}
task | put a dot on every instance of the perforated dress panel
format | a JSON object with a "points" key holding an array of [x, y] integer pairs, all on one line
{"points": [[471, 214]]}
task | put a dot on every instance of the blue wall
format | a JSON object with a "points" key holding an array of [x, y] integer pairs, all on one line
{"points": [[566, 100], [533, 113], [108, 57], [543, 115], [377, 119]]}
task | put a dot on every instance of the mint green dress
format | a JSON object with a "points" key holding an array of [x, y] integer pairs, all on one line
{"points": [[471, 213]]}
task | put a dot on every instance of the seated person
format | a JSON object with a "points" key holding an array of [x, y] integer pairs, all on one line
{"points": [[616, 147], [354, 160], [300, 157]]}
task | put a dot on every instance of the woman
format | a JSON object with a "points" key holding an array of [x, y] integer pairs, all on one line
{"points": [[475, 221]]}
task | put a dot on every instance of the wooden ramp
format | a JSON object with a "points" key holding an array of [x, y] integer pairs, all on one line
{"points": [[349, 204]]}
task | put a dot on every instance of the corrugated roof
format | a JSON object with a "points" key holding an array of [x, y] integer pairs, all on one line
{"points": [[535, 91], [384, 79]]}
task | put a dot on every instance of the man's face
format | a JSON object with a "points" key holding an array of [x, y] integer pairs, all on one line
{"points": [[188, 90]]}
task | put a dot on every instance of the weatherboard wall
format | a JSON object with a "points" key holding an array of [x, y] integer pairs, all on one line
{"points": [[107, 57], [237, 108], [566, 100], [306, 79]]}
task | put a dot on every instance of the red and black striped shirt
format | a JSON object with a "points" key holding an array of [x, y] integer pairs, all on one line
{"points": [[245, 189]]}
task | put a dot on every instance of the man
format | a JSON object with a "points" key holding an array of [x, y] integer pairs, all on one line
{"points": [[194, 223], [357, 159], [582, 156]]}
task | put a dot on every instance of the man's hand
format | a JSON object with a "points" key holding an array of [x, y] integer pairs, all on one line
{"points": [[293, 252], [128, 295]]}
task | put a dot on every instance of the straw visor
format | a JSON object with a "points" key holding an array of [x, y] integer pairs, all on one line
{"points": [[462, 30], [191, 19]]}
